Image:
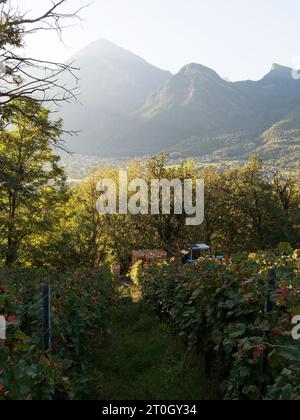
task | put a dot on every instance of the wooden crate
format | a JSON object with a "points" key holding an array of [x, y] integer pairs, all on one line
{"points": [[149, 256]]}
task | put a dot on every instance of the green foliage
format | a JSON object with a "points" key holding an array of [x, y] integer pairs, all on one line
{"points": [[285, 248], [244, 211], [287, 384], [32, 183], [136, 272], [45, 224], [218, 309], [81, 306]]}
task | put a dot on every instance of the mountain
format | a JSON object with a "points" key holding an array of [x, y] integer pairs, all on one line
{"points": [[133, 108], [198, 113], [112, 83]]}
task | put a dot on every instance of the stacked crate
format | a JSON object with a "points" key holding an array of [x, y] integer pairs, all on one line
{"points": [[149, 256]]}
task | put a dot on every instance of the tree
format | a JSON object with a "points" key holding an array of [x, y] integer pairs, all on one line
{"points": [[30, 77], [31, 179], [286, 190], [243, 213]]}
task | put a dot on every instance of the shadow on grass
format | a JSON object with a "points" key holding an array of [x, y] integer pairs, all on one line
{"points": [[142, 360]]}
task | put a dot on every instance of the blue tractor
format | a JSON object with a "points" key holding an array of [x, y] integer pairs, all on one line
{"points": [[197, 251]]}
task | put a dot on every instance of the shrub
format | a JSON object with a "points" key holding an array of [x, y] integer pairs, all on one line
{"points": [[81, 305], [219, 310], [136, 272]]}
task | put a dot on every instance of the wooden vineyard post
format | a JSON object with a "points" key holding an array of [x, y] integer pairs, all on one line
{"points": [[2, 331], [46, 302], [116, 272], [268, 310]]}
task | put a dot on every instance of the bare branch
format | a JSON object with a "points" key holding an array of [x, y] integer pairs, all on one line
{"points": [[28, 77]]}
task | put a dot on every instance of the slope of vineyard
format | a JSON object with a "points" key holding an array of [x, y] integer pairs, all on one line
{"points": [[219, 310], [81, 307]]}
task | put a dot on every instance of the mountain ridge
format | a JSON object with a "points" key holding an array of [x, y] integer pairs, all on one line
{"points": [[133, 108]]}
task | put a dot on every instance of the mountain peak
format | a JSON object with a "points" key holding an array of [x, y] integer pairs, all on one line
{"points": [[194, 69], [279, 72], [103, 47], [275, 66]]}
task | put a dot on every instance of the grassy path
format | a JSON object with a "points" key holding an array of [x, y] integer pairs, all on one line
{"points": [[141, 359]]}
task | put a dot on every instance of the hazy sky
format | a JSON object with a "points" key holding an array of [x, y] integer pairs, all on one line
{"points": [[240, 39]]}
